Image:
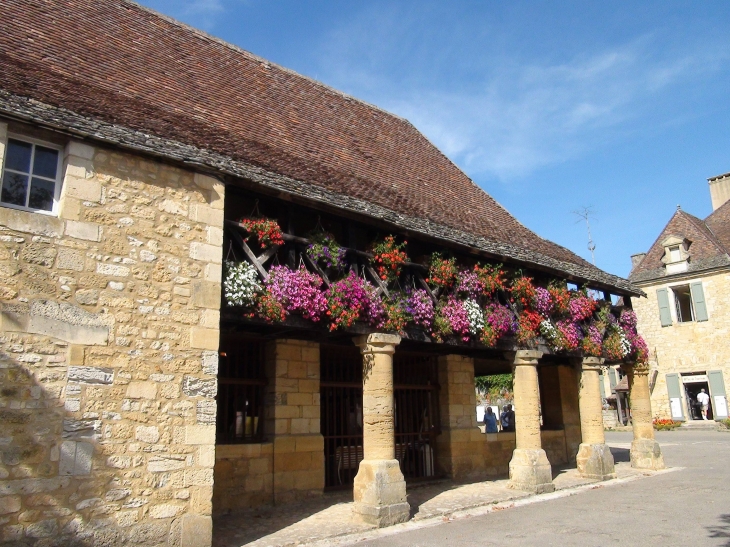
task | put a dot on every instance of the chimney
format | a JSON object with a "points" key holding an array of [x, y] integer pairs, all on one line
{"points": [[719, 190], [635, 259]]}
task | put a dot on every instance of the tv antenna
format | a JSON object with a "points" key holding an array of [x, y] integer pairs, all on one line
{"points": [[585, 214]]}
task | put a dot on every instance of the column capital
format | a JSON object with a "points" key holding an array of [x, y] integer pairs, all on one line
{"points": [[592, 363], [377, 342], [523, 357], [639, 369]]}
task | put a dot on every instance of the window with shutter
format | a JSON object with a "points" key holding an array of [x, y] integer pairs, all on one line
{"points": [[698, 299], [665, 316]]}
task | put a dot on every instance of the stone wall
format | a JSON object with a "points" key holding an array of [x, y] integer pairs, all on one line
{"points": [[686, 347], [244, 477], [108, 355]]}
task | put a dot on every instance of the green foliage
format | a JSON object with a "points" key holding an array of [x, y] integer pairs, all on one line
{"points": [[494, 384], [726, 422]]}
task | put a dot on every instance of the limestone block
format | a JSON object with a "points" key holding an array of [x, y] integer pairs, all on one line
{"points": [[114, 270], [206, 214], [595, 461], [210, 362], [196, 434], [530, 470], [196, 531], [141, 390], [380, 493], [147, 434], [75, 458], [31, 223], [89, 429], [42, 529], [206, 253], [82, 188], [199, 387], [204, 338], [164, 464], [90, 375], [213, 272], [83, 230], [79, 149], [9, 504], [206, 295]]}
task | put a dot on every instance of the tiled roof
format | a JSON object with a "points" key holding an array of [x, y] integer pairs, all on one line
{"points": [[116, 71], [707, 250]]}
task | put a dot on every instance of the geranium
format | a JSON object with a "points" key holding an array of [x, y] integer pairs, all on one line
{"points": [[267, 231], [491, 278], [270, 309], [543, 302], [582, 307], [528, 325], [452, 318], [297, 291], [523, 293], [396, 315], [469, 284], [616, 345], [325, 251], [475, 316], [240, 286], [350, 299], [388, 258], [420, 306], [442, 272], [489, 336], [560, 296]]}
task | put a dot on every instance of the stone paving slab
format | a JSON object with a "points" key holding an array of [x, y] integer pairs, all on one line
{"points": [[330, 517]]}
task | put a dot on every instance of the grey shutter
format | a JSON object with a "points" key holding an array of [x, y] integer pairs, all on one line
{"points": [[665, 316], [717, 390], [698, 299], [674, 393], [612, 379]]}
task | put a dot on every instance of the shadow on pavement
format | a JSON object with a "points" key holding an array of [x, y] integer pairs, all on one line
{"points": [[722, 531], [621, 455]]}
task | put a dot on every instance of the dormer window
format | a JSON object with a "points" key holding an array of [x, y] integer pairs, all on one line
{"points": [[676, 254]]}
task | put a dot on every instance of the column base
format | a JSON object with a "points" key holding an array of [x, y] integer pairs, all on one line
{"points": [[529, 470], [646, 454], [595, 461], [380, 493]]}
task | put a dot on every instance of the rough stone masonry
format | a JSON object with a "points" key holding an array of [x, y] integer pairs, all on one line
{"points": [[108, 354]]}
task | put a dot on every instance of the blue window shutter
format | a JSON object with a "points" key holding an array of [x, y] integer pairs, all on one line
{"points": [[698, 299], [665, 316]]}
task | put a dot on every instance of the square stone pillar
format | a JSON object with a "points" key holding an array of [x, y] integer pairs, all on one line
{"points": [[594, 459], [569, 401], [292, 420], [645, 451], [529, 468], [460, 446], [380, 488]]}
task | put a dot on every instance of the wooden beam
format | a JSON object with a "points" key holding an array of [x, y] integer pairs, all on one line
{"points": [[377, 280], [316, 268]]}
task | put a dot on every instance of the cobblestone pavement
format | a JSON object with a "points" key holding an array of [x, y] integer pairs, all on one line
{"points": [[330, 517]]}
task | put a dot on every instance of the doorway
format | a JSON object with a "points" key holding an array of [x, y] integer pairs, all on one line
{"points": [[694, 409]]}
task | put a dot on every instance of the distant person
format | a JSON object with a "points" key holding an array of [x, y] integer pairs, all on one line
{"points": [[490, 421], [507, 418], [704, 400]]}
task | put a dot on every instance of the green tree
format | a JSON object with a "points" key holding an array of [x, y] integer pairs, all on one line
{"points": [[494, 384]]}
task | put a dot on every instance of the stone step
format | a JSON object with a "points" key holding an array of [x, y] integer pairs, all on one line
{"points": [[700, 424]]}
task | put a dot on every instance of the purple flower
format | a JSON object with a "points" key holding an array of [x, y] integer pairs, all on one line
{"points": [[469, 284], [297, 291], [501, 319], [420, 306], [543, 302]]}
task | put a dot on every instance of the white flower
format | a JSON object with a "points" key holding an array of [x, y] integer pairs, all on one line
{"points": [[475, 315], [625, 344], [241, 284], [547, 329]]}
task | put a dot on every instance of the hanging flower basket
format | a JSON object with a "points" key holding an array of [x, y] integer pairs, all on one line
{"points": [[325, 251], [241, 285], [267, 231], [388, 258], [442, 271]]}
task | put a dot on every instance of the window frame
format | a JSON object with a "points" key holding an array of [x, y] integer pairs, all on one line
{"points": [[677, 306], [59, 173]]}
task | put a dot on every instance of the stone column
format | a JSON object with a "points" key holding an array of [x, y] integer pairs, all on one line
{"points": [[380, 489], [645, 451], [529, 468], [594, 458]]}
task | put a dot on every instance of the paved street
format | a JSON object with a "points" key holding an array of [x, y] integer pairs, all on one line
{"points": [[689, 506]]}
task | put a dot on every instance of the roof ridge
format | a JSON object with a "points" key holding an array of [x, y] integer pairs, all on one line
{"points": [[702, 225], [262, 60]]}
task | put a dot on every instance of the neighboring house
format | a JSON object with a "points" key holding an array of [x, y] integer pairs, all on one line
{"points": [[133, 405], [686, 318]]}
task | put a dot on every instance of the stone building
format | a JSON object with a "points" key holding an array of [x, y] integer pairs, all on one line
{"points": [[686, 317], [133, 405]]}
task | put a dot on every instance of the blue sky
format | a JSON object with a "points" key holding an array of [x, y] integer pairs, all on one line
{"points": [[549, 106]]}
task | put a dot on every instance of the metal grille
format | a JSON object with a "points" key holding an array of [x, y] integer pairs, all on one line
{"points": [[416, 413], [240, 398]]}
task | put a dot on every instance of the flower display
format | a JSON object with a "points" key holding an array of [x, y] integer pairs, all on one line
{"points": [[241, 286], [453, 318], [592, 343], [582, 307], [267, 231], [469, 284], [528, 326], [560, 297], [523, 293], [396, 314], [543, 302], [420, 306], [442, 272], [491, 278], [475, 316], [388, 258], [350, 299], [324, 250], [270, 309], [298, 291], [500, 319]]}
